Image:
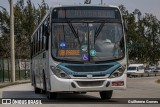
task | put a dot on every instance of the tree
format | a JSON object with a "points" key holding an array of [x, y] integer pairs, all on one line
{"points": [[152, 36], [143, 36], [4, 39], [26, 17]]}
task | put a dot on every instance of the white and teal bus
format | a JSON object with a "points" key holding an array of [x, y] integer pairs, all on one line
{"points": [[79, 49]]}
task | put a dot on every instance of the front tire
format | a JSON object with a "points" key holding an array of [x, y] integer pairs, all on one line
{"points": [[79, 92], [51, 95], [83, 93], [106, 94]]}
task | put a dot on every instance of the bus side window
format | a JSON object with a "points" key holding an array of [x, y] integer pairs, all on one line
{"points": [[35, 42], [46, 33], [40, 39], [137, 68], [39, 33], [43, 37], [31, 48]]}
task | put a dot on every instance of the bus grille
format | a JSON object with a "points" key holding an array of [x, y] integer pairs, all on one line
{"points": [[89, 68], [102, 75], [89, 83]]}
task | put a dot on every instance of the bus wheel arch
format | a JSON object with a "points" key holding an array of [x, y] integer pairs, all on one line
{"points": [[44, 83], [36, 90]]}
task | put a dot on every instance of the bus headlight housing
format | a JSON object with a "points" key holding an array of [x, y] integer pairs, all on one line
{"points": [[119, 72], [59, 73]]}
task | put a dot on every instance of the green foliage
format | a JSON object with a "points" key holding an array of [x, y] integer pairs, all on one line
{"points": [[27, 17], [143, 35]]}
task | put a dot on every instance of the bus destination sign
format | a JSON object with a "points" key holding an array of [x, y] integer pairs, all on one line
{"points": [[86, 14]]}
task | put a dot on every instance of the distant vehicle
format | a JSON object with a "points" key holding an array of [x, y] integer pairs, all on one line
{"points": [[147, 70], [135, 68], [152, 65], [156, 70], [158, 64]]}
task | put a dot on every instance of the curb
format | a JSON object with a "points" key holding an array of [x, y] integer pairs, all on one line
{"points": [[143, 75], [2, 85]]}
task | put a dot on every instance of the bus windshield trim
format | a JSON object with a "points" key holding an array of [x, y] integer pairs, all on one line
{"points": [[113, 58]]}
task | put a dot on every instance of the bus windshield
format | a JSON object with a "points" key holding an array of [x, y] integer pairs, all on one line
{"points": [[87, 41]]}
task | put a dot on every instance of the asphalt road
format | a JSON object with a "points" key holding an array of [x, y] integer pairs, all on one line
{"points": [[145, 87]]}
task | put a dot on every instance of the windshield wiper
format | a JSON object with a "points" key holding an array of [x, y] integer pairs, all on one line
{"points": [[99, 30], [74, 32]]}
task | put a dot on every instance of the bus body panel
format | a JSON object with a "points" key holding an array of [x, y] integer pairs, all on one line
{"points": [[64, 85], [41, 64], [38, 68]]}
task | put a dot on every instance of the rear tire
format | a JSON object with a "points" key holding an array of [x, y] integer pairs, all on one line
{"points": [[36, 90], [51, 95], [44, 84], [106, 94]]}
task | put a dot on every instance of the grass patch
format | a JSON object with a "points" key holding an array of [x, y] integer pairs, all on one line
{"points": [[158, 81]]}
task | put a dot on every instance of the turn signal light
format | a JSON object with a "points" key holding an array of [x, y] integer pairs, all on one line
{"points": [[118, 83]]}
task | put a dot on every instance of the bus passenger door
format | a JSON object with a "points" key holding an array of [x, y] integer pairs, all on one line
{"points": [[45, 56]]}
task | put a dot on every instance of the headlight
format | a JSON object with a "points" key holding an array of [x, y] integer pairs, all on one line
{"points": [[119, 72], [59, 73]]}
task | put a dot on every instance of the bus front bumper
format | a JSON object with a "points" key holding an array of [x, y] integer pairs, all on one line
{"points": [[87, 85]]}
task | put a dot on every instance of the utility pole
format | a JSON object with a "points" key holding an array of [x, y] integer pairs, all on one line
{"points": [[101, 2], [12, 41]]}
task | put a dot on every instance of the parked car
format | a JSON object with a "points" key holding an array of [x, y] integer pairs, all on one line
{"points": [[147, 70], [156, 70], [135, 68]]}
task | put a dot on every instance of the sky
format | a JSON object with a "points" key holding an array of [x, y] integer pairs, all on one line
{"points": [[145, 6]]}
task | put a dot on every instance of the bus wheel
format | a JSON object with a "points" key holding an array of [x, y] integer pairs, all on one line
{"points": [[79, 92], [36, 90], [44, 84], [83, 92], [51, 95], [106, 94]]}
